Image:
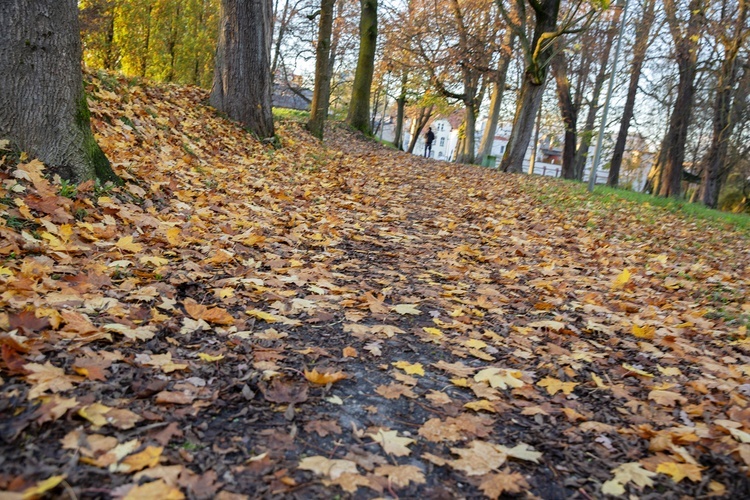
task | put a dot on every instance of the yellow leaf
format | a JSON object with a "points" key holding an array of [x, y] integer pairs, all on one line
{"points": [[323, 378], [554, 385], [644, 332], [500, 377], [42, 487], [678, 472], [433, 331], [392, 443], [174, 237], [411, 369], [476, 343], [638, 371], [406, 309], [621, 280], [126, 243], [146, 458], [670, 371], [666, 398], [599, 382], [481, 404], [154, 260], [94, 413], [257, 313], [155, 490], [209, 358], [4, 271]]}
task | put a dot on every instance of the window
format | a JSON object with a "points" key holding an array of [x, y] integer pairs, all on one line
{"points": [[442, 142]]}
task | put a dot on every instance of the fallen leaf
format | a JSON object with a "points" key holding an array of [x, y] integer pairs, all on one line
{"points": [[392, 443], [495, 484], [411, 369], [324, 378]]}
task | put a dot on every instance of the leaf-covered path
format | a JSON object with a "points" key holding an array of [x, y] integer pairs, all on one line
{"points": [[307, 322]]}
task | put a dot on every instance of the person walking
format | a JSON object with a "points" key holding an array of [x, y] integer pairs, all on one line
{"points": [[429, 137]]}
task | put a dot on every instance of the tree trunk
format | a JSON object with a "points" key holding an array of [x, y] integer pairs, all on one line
{"points": [[417, 126], [532, 88], [640, 46], [319, 108], [146, 42], [496, 99], [398, 140], [686, 53], [242, 78], [569, 114], [43, 108], [727, 109], [579, 162], [467, 155], [359, 106], [523, 125]]}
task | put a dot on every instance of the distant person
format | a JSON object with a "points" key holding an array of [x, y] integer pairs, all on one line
{"points": [[428, 138]]}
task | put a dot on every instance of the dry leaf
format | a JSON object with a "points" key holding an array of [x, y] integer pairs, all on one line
{"points": [[392, 443]]}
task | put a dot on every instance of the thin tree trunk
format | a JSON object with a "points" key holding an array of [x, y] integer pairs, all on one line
{"points": [[582, 153], [496, 99], [147, 41], [640, 47], [417, 126], [532, 88], [321, 92], [359, 106], [43, 108], [400, 108], [242, 78], [279, 39]]}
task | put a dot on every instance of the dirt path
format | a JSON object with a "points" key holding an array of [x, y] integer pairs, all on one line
{"points": [[356, 322]]}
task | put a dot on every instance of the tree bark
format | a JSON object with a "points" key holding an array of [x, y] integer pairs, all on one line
{"points": [[569, 114], [321, 92], [43, 108], [496, 99], [242, 76], [728, 102], [417, 126], [686, 53], [358, 116], [532, 88], [587, 133], [640, 47], [398, 140]]}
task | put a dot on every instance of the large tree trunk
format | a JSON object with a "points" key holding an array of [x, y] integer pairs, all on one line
{"points": [[569, 114], [686, 53], [359, 106], [319, 110], [640, 47], [398, 140], [43, 108], [532, 88], [242, 78], [496, 99]]}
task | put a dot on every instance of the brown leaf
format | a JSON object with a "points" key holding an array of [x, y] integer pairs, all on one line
{"points": [[284, 390], [494, 485]]}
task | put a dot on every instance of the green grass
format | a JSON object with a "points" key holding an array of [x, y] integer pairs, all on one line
{"points": [[740, 222], [290, 114], [388, 144]]}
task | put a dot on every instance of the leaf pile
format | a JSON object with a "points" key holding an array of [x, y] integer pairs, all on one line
{"points": [[305, 321]]}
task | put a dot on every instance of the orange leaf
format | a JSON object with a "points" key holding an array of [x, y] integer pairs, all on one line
{"points": [[323, 378]]}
